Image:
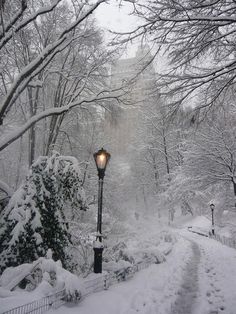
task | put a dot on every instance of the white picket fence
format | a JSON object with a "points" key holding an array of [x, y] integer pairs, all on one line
{"points": [[90, 286]]}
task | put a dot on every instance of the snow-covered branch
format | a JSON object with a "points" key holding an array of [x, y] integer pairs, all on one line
{"points": [[8, 139], [34, 66], [9, 31], [198, 41], [5, 188]]}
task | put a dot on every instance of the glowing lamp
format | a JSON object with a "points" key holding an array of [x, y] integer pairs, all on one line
{"points": [[101, 158]]}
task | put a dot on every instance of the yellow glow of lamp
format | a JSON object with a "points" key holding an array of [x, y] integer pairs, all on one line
{"points": [[101, 158]]}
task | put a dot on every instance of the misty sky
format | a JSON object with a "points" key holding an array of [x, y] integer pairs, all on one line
{"points": [[117, 18]]}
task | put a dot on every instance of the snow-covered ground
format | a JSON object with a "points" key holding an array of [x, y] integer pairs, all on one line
{"points": [[152, 290], [216, 277], [198, 277]]}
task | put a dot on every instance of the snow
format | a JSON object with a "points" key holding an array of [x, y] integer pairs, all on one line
{"points": [[5, 188], [198, 276], [13, 275], [54, 279], [199, 222], [17, 298], [217, 277], [98, 245], [194, 279], [150, 291]]}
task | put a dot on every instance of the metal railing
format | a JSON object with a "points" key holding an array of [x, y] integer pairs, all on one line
{"points": [[40, 306], [90, 286], [230, 242]]}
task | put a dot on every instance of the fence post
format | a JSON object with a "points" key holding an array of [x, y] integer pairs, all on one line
{"points": [[106, 282]]}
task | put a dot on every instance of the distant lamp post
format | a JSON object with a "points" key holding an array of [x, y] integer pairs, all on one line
{"points": [[212, 206], [101, 159]]}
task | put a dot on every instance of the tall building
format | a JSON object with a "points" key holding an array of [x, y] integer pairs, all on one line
{"points": [[137, 75]]}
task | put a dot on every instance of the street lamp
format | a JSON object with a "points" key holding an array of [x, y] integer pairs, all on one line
{"points": [[101, 158], [212, 206]]}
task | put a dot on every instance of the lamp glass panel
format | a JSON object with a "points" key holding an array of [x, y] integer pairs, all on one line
{"points": [[101, 161]]}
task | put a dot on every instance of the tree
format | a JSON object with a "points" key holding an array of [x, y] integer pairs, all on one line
{"points": [[81, 69], [158, 148], [16, 80], [35, 218], [198, 39], [5, 194], [69, 84], [210, 157]]}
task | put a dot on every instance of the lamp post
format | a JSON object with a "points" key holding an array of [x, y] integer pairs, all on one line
{"points": [[212, 206], [101, 158]]}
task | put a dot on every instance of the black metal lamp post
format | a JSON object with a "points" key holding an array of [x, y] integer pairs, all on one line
{"points": [[101, 159], [212, 206]]}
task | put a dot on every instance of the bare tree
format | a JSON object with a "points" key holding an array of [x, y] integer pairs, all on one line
{"points": [[18, 80], [198, 39], [210, 157]]}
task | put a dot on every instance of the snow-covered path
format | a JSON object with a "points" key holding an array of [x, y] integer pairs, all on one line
{"points": [[199, 277], [188, 290], [151, 291], [209, 280], [216, 277]]}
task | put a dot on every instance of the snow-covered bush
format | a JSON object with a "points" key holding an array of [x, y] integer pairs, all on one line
{"points": [[82, 250], [166, 236], [44, 276], [150, 254], [34, 220], [150, 251], [115, 253]]}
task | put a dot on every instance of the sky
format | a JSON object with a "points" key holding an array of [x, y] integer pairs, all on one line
{"points": [[117, 18]]}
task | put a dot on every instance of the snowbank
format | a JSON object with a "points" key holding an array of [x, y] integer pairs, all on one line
{"points": [[29, 282]]}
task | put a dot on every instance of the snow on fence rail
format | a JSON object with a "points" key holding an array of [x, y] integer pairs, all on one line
{"points": [[40, 306], [89, 286]]}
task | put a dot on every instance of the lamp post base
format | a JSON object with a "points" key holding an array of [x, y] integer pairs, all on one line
{"points": [[98, 259]]}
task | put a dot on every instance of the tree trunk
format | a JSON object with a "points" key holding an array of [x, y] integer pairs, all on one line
{"points": [[145, 199], [32, 136], [32, 133], [20, 157], [156, 177], [234, 185], [166, 153], [54, 129]]}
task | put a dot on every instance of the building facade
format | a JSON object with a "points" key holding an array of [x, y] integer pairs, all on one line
{"points": [[137, 77]]}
